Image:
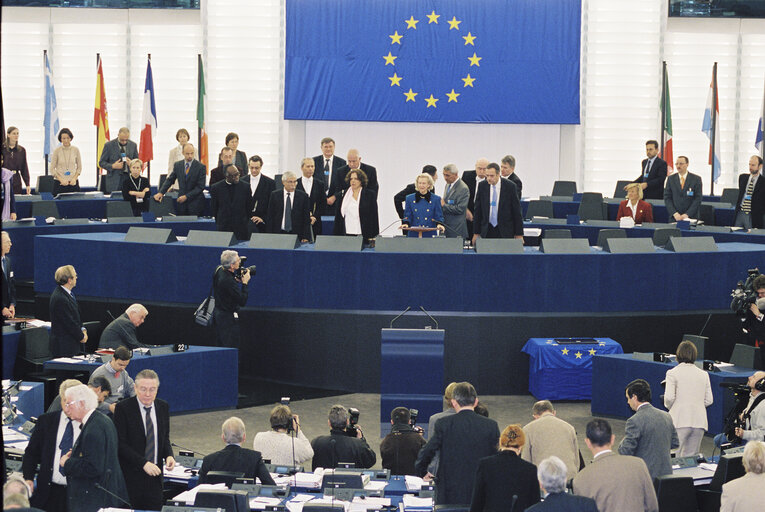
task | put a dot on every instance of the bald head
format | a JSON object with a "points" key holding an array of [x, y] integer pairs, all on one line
{"points": [[354, 158], [480, 167], [754, 379]]}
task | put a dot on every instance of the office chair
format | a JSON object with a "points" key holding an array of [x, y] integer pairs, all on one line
{"points": [[118, 209], [556, 233], [540, 208], [661, 236], [45, 209], [564, 188], [676, 493], [591, 206], [605, 234], [619, 192]]}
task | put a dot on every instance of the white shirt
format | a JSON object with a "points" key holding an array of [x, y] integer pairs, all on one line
{"points": [[632, 207], [350, 211], [602, 453], [58, 478], [307, 184], [153, 413], [292, 205], [477, 182], [254, 181]]}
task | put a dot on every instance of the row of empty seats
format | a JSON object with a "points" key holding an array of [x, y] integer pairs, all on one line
{"points": [[114, 209]]}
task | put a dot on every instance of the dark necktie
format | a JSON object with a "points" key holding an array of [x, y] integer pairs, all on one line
{"points": [[188, 166], [149, 451], [326, 174], [746, 204], [288, 214], [67, 440], [647, 167]]}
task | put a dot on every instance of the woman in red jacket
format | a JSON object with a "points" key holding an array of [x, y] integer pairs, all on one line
{"points": [[634, 206]]}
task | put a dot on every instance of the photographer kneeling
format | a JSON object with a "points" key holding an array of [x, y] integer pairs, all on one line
{"points": [[230, 292], [285, 444], [399, 449], [339, 446], [751, 422]]}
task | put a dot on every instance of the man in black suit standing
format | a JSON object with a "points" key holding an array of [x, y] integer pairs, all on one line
{"points": [[328, 163], [115, 160], [750, 206], [497, 208], [654, 172], [67, 335], [289, 210], [400, 198], [92, 466], [190, 174], [314, 188], [143, 430], [462, 439], [472, 179], [338, 184], [9, 282], [53, 436], [261, 187], [235, 458], [507, 169], [231, 202]]}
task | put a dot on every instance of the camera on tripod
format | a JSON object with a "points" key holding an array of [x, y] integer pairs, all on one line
{"points": [[239, 273], [744, 294], [353, 420]]}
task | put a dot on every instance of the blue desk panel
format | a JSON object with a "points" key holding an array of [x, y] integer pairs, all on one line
{"points": [[371, 281], [200, 378], [23, 238], [31, 399], [564, 372], [85, 208], [612, 373], [11, 339]]}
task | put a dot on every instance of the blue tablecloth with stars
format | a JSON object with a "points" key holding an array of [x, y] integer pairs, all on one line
{"points": [[564, 371]]}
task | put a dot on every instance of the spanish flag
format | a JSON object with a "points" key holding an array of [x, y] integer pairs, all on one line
{"points": [[100, 115], [201, 111]]}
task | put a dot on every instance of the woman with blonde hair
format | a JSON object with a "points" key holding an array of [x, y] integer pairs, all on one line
{"points": [[634, 206]]}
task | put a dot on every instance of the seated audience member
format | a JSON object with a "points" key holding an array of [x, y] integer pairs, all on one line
{"points": [[400, 198], [549, 435], [399, 449], [448, 411], [649, 433], [687, 395], [285, 444], [423, 209], [121, 332], [16, 495], [747, 493], [552, 474], [617, 483], [505, 481], [98, 384], [338, 446], [136, 189], [115, 372], [356, 210], [753, 415], [235, 458], [634, 206]]}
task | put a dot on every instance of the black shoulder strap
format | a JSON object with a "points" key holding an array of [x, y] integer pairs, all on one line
{"points": [[756, 402]]}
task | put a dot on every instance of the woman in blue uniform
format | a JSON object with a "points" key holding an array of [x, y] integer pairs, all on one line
{"points": [[423, 208]]}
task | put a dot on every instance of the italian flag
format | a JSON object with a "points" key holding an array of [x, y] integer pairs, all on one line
{"points": [[666, 111]]}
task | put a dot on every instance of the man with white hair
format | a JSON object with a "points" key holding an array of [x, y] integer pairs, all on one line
{"points": [[91, 467], [235, 458], [289, 210], [16, 495], [748, 492], [552, 474], [122, 330]]}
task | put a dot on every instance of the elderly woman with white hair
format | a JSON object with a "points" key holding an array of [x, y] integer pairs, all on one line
{"points": [[747, 493], [552, 480], [423, 209]]}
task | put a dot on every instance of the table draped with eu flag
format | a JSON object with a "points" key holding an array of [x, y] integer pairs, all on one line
{"points": [[445, 61], [561, 368]]}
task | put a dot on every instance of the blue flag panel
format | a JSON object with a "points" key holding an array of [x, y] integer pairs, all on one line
{"points": [[488, 61]]}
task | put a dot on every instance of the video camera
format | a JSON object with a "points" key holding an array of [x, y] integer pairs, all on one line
{"points": [[732, 421], [239, 273], [353, 420], [744, 294]]}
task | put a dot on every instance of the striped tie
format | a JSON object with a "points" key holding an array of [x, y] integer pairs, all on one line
{"points": [[746, 204], [149, 451]]}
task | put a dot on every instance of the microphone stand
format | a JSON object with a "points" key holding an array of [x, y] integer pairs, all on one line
{"points": [[433, 319], [187, 449], [110, 493], [400, 315]]}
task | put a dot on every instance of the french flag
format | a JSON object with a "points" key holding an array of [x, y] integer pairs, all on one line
{"points": [[149, 125]]}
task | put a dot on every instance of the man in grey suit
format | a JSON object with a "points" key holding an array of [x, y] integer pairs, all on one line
{"points": [[454, 203], [649, 433], [617, 483], [190, 174], [115, 159], [682, 193]]}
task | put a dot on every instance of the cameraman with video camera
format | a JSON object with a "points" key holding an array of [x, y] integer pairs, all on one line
{"points": [[230, 292], [754, 322], [750, 423], [345, 442]]}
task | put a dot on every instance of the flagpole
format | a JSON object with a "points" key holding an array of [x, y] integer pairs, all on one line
{"points": [[45, 155], [148, 164], [199, 128], [663, 103], [713, 128], [98, 169], [762, 123]]}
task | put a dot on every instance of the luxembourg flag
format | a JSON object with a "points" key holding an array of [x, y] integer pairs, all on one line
{"points": [[149, 125], [761, 127], [50, 122], [711, 130]]}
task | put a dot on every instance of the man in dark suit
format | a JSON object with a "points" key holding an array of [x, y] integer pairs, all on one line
{"points": [[654, 172], [462, 439], [338, 447], [497, 208], [9, 282], [115, 159], [261, 187], [552, 474], [338, 183], [233, 457], [683, 192], [507, 170], [67, 335], [225, 158], [750, 205], [231, 203], [400, 198], [143, 430], [92, 464], [314, 188], [289, 209], [190, 174], [472, 179], [327, 163], [53, 436]]}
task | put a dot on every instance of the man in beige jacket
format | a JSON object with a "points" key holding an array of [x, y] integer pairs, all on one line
{"points": [[549, 435]]}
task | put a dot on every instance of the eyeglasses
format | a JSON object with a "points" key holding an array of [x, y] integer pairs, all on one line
{"points": [[69, 404]]}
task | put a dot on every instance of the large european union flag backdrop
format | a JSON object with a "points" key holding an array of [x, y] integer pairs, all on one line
{"points": [[488, 61]]}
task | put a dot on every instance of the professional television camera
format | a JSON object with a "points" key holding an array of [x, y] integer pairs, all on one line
{"points": [[732, 419], [353, 420], [238, 273], [744, 294]]}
